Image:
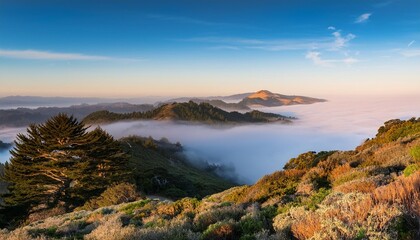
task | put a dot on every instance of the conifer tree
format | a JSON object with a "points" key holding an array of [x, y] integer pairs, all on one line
{"points": [[61, 163]]}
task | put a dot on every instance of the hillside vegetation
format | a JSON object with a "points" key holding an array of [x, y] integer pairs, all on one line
{"points": [[59, 166], [191, 111], [161, 168], [371, 192]]}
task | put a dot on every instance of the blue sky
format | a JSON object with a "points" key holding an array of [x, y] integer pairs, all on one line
{"points": [[174, 48]]}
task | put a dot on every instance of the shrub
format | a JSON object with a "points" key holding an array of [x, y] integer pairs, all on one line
{"points": [[317, 198], [349, 176], [306, 227], [250, 225], [116, 194], [111, 228], [183, 205], [359, 185], [410, 169], [277, 184], [339, 171], [415, 153], [220, 230], [307, 160], [405, 191], [129, 208], [211, 216]]}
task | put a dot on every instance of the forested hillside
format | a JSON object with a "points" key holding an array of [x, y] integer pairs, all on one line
{"points": [[191, 111]]}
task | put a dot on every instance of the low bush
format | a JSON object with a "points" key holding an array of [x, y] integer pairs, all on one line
{"points": [[415, 153], [116, 194], [221, 230], [410, 169], [129, 208]]}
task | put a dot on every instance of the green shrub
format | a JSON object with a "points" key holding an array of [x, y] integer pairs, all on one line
{"points": [[361, 234], [396, 129], [49, 232], [269, 212], [317, 198], [307, 160], [404, 227], [410, 169], [250, 225], [129, 208], [116, 194], [220, 230], [415, 153]]}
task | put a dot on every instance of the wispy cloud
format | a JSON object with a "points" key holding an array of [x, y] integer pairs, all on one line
{"points": [[382, 4], [411, 43], [341, 41], [316, 58], [410, 53], [267, 44], [47, 55], [363, 18], [336, 44]]}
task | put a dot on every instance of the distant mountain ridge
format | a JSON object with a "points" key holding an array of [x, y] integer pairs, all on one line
{"points": [[191, 112], [266, 98], [246, 101], [10, 102], [24, 116], [4, 146]]}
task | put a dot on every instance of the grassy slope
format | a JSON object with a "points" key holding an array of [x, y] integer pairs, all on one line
{"points": [[160, 168], [372, 192]]}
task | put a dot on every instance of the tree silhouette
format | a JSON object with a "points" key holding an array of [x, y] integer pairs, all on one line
{"points": [[61, 163]]}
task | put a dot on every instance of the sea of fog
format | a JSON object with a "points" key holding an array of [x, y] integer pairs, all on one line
{"points": [[252, 151]]}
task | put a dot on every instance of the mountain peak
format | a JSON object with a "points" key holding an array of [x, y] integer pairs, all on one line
{"points": [[263, 94]]}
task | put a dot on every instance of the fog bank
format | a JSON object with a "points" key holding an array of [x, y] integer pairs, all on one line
{"points": [[256, 150]]}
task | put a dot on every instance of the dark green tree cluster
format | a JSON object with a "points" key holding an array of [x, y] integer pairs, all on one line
{"points": [[190, 111], [61, 163]]}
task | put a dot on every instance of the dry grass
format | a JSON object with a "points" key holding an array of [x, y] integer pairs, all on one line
{"points": [[339, 171], [404, 191], [351, 208], [360, 185], [306, 227]]}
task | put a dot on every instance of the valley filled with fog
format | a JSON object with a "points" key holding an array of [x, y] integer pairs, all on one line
{"points": [[252, 151]]}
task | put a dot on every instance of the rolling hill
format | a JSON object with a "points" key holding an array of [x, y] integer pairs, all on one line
{"points": [[191, 112], [246, 101], [266, 98]]}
